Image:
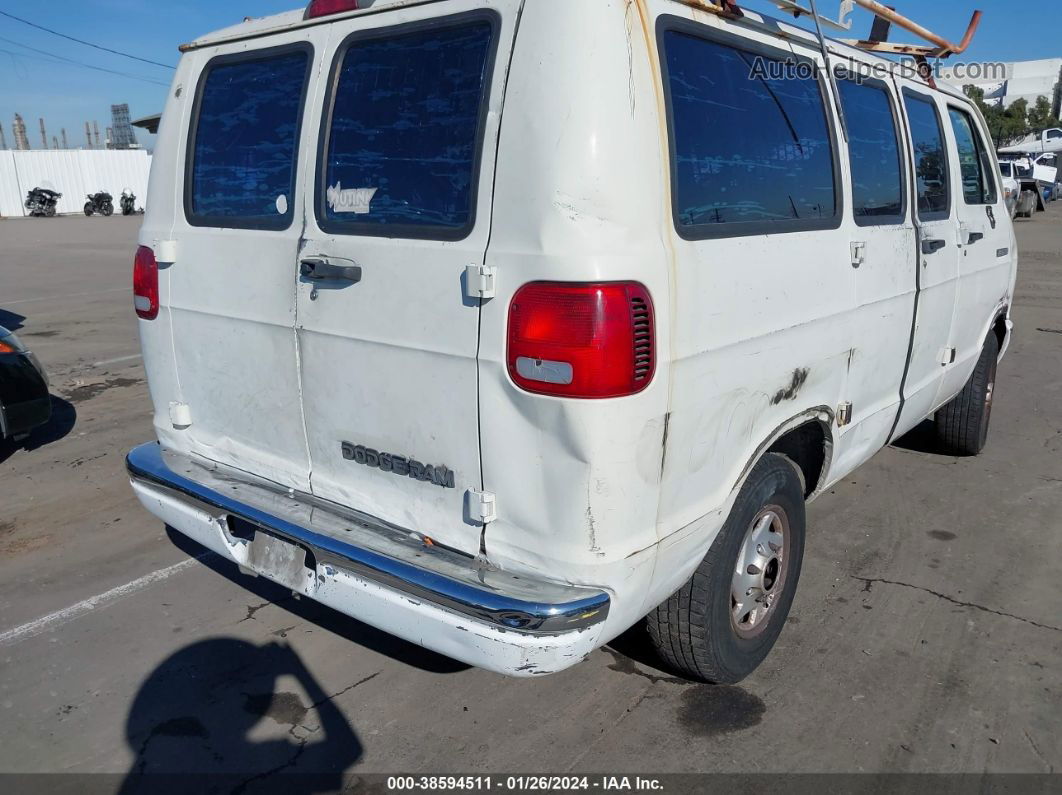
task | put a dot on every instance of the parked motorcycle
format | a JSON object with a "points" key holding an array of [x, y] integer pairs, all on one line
{"points": [[42, 202], [128, 202], [102, 203]]}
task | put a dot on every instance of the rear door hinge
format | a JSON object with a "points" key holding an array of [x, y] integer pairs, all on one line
{"points": [[482, 506], [859, 254], [165, 251], [479, 281], [844, 414]]}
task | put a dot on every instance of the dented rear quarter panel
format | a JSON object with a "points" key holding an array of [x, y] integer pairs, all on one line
{"points": [[592, 491]]}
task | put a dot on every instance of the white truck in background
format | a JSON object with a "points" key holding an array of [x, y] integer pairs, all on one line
{"points": [[1049, 140]]}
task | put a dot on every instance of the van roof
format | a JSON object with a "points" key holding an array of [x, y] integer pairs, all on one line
{"points": [[277, 23], [253, 27]]}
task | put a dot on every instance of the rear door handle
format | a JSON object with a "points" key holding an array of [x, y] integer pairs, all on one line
{"points": [[974, 237], [319, 269], [933, 244]]}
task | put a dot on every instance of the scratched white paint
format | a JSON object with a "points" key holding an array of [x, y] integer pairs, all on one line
{"points": [[754, 335]]}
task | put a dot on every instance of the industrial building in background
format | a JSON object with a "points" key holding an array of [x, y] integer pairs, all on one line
{"points": [[1028, 80], [122, 135], [19, 127]]}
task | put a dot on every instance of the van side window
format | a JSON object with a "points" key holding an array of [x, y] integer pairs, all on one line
{"points": [[931, 159], [403, 147], [975, 167], [877, 176], [752, 151], [241, 159]]}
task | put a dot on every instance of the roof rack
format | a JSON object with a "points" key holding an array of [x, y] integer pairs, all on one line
{"points": [[936, 47]]}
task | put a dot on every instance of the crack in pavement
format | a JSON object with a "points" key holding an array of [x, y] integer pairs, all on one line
{"points": [[345, 690], [252, 609], [869, 582], [300, 741], [1036, 750]]}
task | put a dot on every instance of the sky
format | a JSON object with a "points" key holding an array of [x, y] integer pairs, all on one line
{"points": [[67, 94]]}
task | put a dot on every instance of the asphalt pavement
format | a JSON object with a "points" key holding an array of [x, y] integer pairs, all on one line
{"points": [[925, 636]]}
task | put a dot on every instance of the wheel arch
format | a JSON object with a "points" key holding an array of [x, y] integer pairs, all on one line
{"points": [[807, 440]]}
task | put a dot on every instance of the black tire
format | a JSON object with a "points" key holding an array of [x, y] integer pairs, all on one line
{"points": [[962, 425], [126, 211], [50, 212], [108, 210], [695, 631], [88, 208]]}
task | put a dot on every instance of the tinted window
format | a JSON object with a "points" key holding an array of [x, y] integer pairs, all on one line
{"points": [[877, 184], [404, 141], [751, 143], [1006, 169], [243, 155], [975, 167], [931, 163], [1051, 134]]}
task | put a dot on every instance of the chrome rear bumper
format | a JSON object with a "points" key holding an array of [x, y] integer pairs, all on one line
{"points": [[360, 545]]}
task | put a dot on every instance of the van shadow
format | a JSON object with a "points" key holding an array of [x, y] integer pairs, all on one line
{"points": [[214, 717], [62, 421], [921, 439], [11, 320], [347, 628]]}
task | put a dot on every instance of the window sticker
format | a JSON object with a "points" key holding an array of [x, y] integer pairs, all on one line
{"points": [[350, 200]]}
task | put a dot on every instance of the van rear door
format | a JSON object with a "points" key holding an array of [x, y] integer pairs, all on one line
{"points": [[237, 228], [398, 207]]}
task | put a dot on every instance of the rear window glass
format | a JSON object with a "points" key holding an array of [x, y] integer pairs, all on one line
{"points": [[752, 148], [242, 163], [975, 167], [931, 161], [877, 184], [404, 140]]}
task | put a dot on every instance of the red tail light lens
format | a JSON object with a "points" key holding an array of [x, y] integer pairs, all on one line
{"points": [[322, 8], [582, 340], [146, 284]]}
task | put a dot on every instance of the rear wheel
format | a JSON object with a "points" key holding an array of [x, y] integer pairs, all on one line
{"points": [[724, 621], [88, 208], [962, 425]]}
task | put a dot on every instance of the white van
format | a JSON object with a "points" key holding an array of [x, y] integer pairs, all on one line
{"points": [[502, 324]]}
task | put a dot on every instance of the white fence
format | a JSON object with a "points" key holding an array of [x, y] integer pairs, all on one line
{"points": [[75, 173]]}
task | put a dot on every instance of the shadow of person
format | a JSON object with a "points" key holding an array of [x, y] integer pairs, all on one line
{"points": [[59, 425], [214, 717]]}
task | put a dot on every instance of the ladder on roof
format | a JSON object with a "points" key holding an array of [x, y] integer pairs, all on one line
{"points": [[936, 46]]}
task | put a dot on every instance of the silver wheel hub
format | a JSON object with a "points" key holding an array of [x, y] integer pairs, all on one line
{"points": [[759, 573]]}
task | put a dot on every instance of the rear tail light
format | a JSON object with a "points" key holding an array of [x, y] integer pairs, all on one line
{"points": [[582, 340], [146, 284], [322, 8]]}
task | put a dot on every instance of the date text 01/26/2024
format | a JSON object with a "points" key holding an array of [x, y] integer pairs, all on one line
{"points": [[523, 783]]}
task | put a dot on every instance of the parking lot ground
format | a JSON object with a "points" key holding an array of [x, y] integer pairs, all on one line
{"points": [[925, 635]]}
